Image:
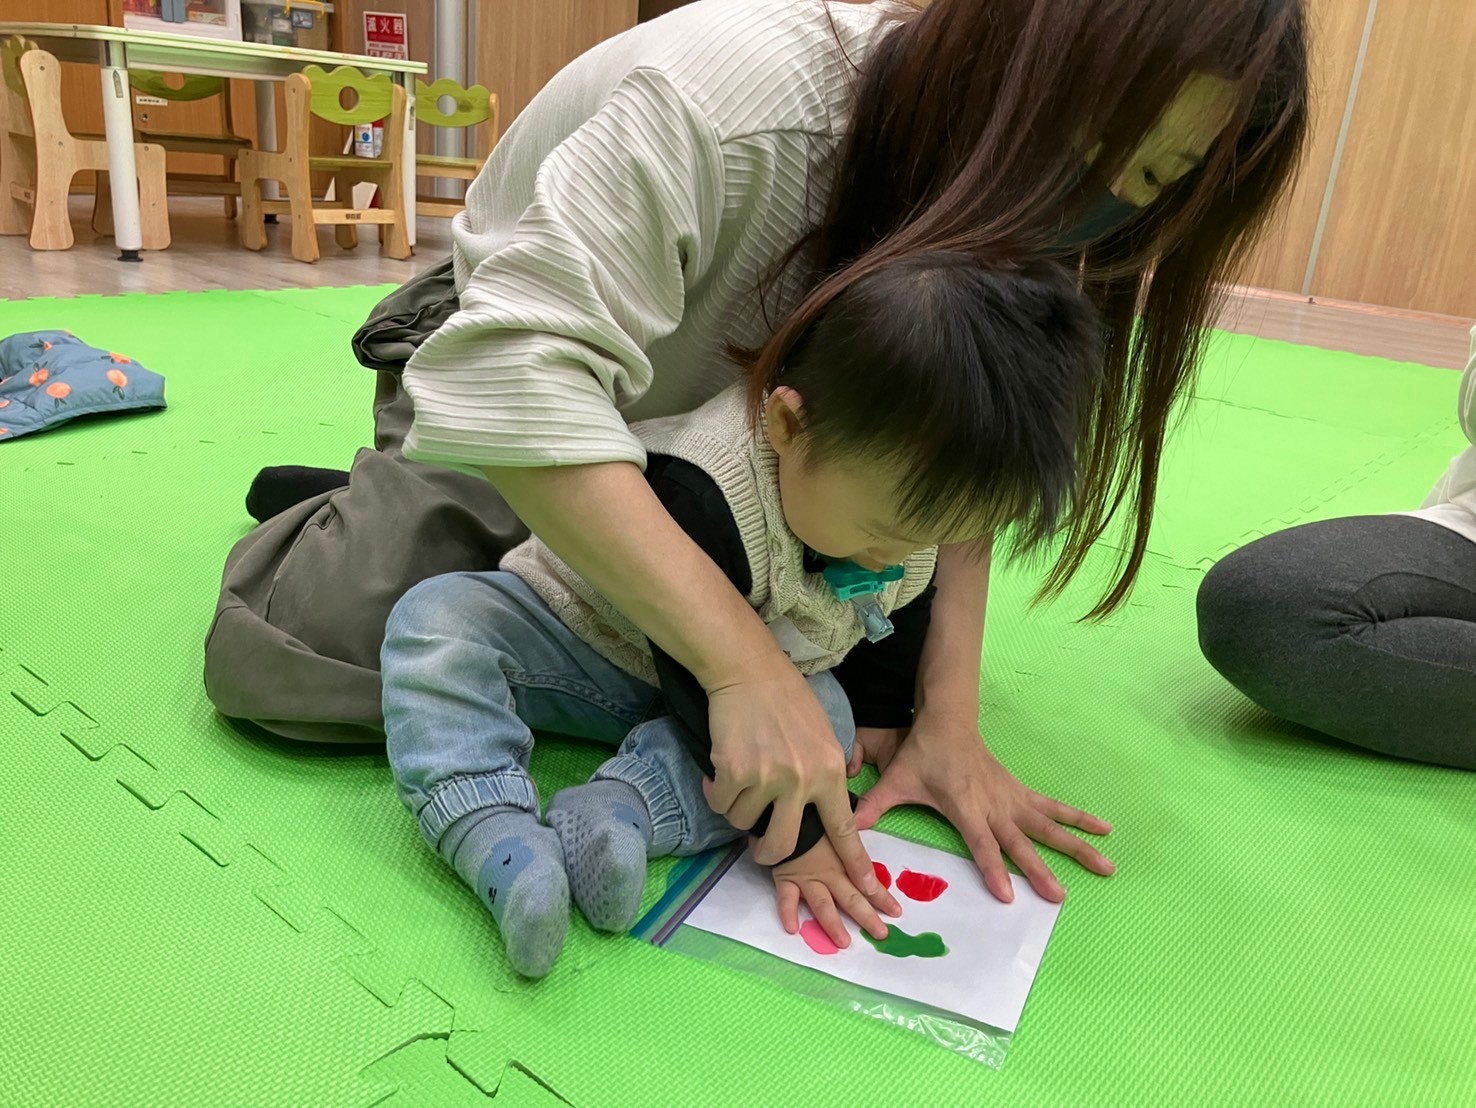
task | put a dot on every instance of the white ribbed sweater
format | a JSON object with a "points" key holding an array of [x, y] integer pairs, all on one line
{"points": [[814, 628], [1452, 503], [616, 238]]}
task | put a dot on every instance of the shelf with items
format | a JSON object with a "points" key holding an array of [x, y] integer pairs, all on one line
{"points": [[215, 19], [305, 24]]}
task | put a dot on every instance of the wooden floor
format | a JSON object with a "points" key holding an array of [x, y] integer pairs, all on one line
{"points": [[205, 255]]}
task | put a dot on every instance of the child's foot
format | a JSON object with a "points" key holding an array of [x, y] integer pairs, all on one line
{"points": [[520, 877], [605, 830]]}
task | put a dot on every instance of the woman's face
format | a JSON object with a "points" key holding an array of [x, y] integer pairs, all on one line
{"points": [[1178, 142]]}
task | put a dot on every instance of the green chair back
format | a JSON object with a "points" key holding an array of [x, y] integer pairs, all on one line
{"points": [[376, 95], [194, 87], [10, 53], [472, 105]]}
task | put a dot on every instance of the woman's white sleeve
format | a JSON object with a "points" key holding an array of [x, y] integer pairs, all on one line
{"points": [[551, 337], [1468, 393]]}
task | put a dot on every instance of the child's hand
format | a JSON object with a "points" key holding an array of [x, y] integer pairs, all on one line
{"points": [[818, 878], [875, 746]]}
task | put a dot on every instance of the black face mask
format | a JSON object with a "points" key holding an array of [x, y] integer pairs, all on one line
{"points": [[1102, 212]]}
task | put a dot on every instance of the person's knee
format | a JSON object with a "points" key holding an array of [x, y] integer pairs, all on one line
{"points": [[838, 707], [1229, 599], [438, 607], [1258, 613], [229, 682], [413, 613]]}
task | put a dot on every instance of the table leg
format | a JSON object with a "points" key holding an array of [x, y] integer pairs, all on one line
{"points": [[451, 51], [122, 167], [266, 134], [408, 81]]}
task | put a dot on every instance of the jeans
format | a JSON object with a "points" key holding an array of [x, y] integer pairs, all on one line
{"points": [[474, 662], [1361, 628]]}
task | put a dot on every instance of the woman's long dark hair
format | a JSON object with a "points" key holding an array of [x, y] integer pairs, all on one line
{"points": [[969, 124]]}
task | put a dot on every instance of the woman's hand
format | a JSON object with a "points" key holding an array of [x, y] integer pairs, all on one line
{"points": [[944, 765], [772, 743], [818, 878]]}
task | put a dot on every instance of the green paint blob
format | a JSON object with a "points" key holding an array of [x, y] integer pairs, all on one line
{"points": [[899, 944]]}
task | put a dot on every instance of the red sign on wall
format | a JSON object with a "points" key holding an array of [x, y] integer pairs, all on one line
{"points": [[386, 36]]}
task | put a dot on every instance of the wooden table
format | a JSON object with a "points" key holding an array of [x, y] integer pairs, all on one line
{"points": [[115, 50]]}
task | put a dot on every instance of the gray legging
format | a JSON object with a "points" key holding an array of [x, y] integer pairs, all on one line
{"points": [[1361, 628]]}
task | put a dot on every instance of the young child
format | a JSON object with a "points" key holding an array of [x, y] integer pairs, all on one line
{"points": [[937, 402]]}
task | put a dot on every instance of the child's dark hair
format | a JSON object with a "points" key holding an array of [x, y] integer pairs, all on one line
{"points": [[975, 381]]}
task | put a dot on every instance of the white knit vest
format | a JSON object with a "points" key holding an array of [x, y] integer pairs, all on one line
{"points": [[814, 628]]}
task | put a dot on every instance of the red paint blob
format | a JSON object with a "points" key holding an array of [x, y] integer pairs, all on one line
{"points": [[921, 886], [882, 874], [816, 938]]}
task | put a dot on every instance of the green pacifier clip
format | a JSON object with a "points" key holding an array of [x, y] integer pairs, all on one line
{"points": [[862, 587]]}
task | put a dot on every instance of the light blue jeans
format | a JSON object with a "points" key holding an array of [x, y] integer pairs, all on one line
{"points": [[473, 662]]}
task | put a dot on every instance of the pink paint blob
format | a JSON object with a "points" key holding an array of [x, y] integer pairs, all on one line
{"points": [[816, 938], [921, 886], [883, 874]]}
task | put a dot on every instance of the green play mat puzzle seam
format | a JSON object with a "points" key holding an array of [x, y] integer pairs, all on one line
{"points": [[198, 914]]}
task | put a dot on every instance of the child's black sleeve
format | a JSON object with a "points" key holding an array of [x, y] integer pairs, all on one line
{"points": [[694, 500], [880, 678]]}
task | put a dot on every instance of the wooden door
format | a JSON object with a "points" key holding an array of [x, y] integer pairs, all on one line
{"points": [[1280, 260], [1402, 227], [523, 43]]}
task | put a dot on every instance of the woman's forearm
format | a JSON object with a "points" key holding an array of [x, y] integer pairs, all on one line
{"points": [[607, 524], [948, 674]]}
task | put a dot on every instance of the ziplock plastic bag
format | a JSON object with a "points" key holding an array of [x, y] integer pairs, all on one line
{"points": [[690, 881]]}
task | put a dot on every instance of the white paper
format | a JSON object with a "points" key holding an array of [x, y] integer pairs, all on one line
{"points": [[994, 949]]}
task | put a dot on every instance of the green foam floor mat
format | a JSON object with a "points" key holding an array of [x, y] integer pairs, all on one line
{"points": [[197, 914]]}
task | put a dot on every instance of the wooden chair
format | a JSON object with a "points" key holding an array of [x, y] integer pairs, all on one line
{"points": [[472, 106], [226, 144], [39, 157], [315, 92]]}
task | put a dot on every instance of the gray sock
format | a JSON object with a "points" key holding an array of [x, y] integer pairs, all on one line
{"points": [[606, 831], [516, 866]]}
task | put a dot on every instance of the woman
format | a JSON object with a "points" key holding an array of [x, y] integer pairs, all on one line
{"points": [[658, 205], [1362, 628]]}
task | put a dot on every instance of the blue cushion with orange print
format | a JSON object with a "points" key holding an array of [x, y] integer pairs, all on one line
{"points": [[49, 377]]}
